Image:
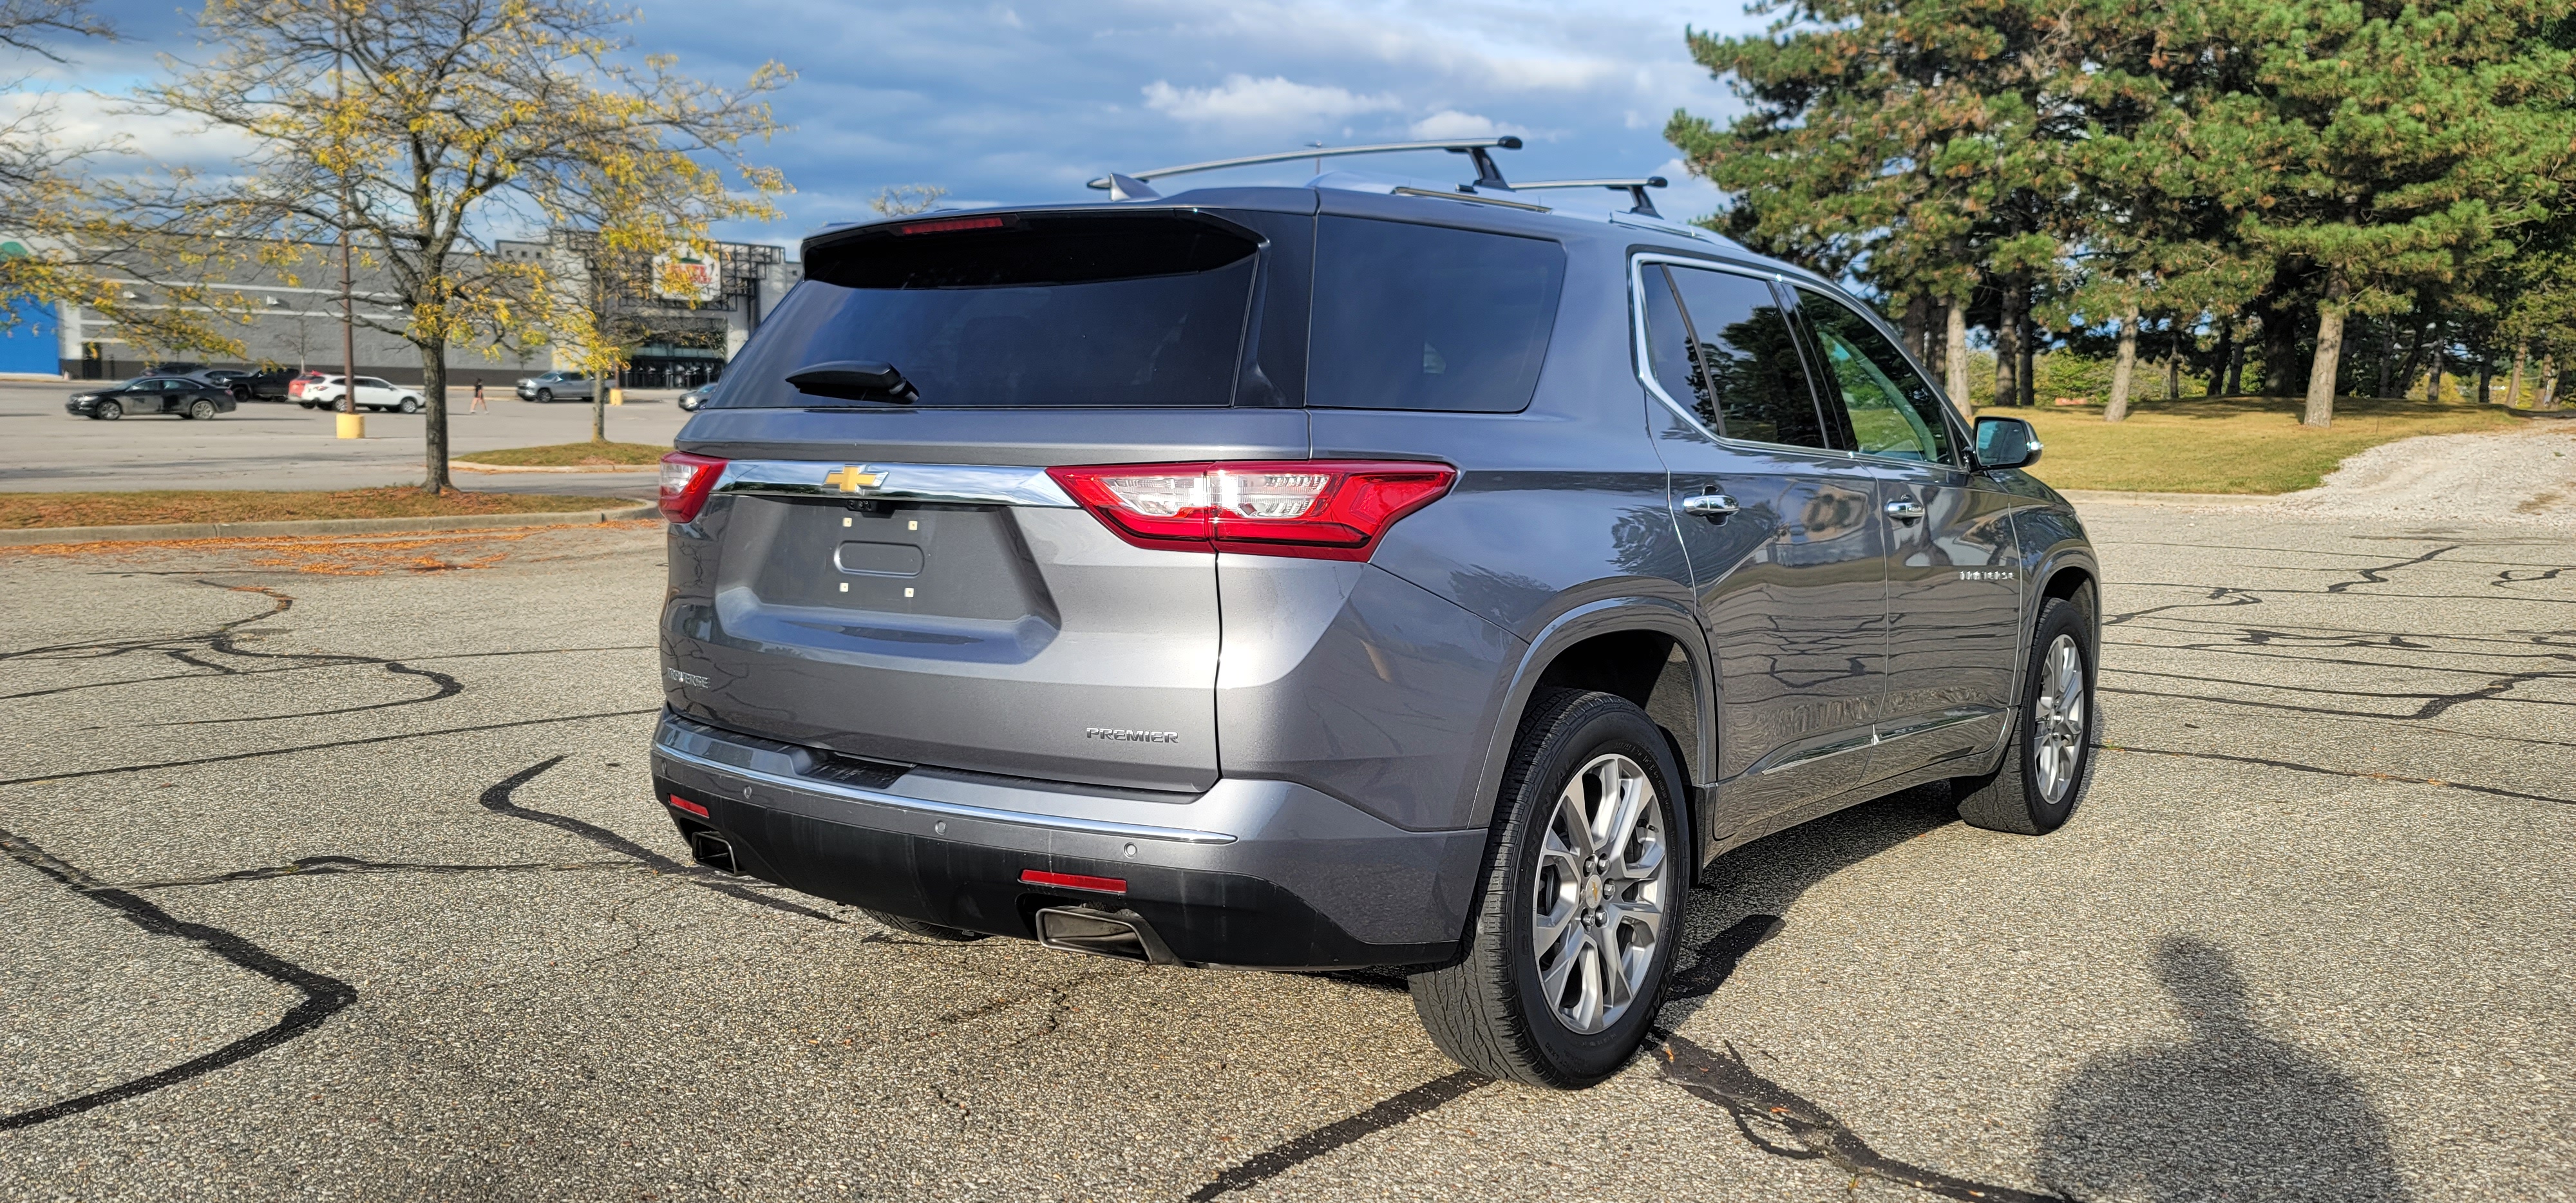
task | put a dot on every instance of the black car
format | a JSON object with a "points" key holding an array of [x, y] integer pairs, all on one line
{"points": [[186, 396], [253, 386]]}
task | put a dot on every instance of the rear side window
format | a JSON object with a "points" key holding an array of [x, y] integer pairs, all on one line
{"points": [[1421, 317], [1016, 311], [1742, 360]]}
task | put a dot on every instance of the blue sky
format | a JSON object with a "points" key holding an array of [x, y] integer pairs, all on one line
{"points": [[1020, 102]]}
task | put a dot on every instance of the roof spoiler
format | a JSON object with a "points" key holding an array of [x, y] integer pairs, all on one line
{"points": [[1134, 187]]}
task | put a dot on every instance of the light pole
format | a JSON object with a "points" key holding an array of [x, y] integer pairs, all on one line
{"points": [[351, 423]]}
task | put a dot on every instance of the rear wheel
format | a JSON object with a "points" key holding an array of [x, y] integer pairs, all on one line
{"points": [[201, 409], [2049, 764], [931, 931], [1569, 948], [107, 411]]}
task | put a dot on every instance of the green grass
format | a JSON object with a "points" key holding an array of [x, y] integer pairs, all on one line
{"points": [[23, 511], [2230, 444], [572, 455]]}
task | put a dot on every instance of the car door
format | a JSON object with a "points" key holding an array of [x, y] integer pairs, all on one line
{"points": [[1954, 592], [160, 395], [1785, 546], [372, 391]]}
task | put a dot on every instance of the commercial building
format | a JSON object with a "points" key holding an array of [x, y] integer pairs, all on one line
{"points": [[680, 317]]}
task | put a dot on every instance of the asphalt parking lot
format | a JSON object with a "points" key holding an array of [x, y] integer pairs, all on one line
{"points": [[276, 446], [333, 872]]}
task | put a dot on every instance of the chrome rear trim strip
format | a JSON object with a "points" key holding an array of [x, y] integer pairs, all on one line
{"points": [[851, 793], [972, 484]]}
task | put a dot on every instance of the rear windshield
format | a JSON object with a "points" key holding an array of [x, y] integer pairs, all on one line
{"points": [[1014, 311], [1421, 317]]}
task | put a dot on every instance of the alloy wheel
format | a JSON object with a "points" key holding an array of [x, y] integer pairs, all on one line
{"points": [[2058, 720], [1602, 894]]}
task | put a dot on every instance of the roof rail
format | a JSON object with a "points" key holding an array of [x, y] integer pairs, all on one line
{"points": [[1635, 188], [1132, 187]]}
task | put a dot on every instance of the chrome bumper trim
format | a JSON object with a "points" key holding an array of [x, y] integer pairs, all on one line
{"points": [[849, 793], [973, 484]]}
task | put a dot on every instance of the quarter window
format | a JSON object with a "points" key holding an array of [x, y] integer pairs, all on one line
{"points": [[1737, 357], [1423, 317], [1894, 411]]}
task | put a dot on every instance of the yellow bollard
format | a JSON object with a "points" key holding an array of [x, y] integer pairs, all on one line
{"points": [[617, 396], [352, 425]]}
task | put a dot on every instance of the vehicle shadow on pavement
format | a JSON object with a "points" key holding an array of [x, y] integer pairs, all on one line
{"points": [[2228, 1112]]}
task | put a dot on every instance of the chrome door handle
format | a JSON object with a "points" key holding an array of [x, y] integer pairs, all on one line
{"points": [[1714, 506], [1905, 511]]}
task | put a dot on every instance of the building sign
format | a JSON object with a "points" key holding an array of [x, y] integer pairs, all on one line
{"points": [[682, 276]]}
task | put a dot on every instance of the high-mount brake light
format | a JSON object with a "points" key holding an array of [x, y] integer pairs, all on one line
{"points": [[686, 481], [1312, 509], [946, 224]]}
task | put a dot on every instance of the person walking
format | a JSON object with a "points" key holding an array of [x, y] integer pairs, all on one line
{"points": [[477, 407]]}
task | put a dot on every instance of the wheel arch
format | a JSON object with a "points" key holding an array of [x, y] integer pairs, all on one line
{"points": [[1649, 650]]}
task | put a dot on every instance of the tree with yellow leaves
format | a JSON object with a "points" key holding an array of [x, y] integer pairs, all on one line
{"points": [[427, 128]]}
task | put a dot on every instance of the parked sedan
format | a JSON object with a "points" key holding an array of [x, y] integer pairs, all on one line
{"points": [[185, 396], [557, 384], [696, 397], [372, 394]]}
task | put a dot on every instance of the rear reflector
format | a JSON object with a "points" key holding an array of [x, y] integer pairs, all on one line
{"points": [[686, 481], [691, 807], [1316, 509], [1073, 881]]}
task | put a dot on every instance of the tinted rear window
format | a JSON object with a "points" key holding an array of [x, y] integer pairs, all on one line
{"points": [[1421, 317], [1023, 312]]}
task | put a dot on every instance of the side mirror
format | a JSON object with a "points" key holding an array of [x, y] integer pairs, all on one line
{"points": [[2006, 443]]}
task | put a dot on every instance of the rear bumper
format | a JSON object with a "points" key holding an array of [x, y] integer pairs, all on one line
{"points": [[1255, 874]]}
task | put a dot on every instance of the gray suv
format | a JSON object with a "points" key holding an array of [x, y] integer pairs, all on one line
{"points": [[1349, 575]]}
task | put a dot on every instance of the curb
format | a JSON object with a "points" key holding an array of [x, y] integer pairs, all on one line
{"points": [[467, 465], [2081, 496], [318, 526]]}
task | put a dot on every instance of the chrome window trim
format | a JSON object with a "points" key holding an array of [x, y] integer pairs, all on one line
{"points": [[1644, 350], [971, 484], [956, 810]]}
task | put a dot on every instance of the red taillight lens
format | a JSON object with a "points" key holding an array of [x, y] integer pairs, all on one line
{"points": [[1317, 509], [686, 481]]}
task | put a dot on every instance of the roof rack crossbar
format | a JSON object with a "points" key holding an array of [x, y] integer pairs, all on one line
{"points": [[1487, 175], [1636, 190]]}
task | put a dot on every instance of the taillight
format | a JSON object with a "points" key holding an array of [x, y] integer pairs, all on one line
{"points": [[686, 481], [1318, 509]]}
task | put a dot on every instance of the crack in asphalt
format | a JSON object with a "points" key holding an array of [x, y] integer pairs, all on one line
{"points": [[2298, 767], [2434, 704], [2371, 576], [315, 866], [76, 774], [1805, 1131], [227, 670], [324, 995], [1279, 1159], [497, 800]]}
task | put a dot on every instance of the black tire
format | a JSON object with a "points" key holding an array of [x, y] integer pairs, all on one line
{"points": [[930, 931], [107, 411], [410, 405], [545, 396], [202, 410], [2023, 795], [1490, 1011]]}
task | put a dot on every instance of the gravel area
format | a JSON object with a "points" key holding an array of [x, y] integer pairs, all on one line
{"points": [[2522, 477], [333, 872]]}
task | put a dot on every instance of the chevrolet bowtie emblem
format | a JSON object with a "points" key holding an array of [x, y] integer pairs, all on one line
{"points": [[853, 478]]}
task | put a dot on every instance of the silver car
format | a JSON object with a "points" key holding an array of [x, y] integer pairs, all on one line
{"points": [[1326, 577], [557, 385]]}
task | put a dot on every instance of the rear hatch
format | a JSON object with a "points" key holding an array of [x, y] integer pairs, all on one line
{"points": [[886, 570]]}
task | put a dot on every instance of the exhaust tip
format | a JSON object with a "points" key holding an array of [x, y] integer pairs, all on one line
{"points": [[712, 850], [1119, 934]]}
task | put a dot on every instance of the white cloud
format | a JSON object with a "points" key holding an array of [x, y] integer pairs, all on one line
{"points": [[1277, 101], [1450, 123]]}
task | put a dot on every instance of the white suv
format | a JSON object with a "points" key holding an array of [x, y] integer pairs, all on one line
{"points": [[372, 394]]}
